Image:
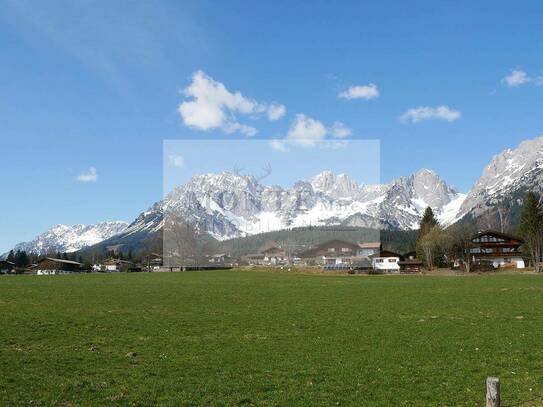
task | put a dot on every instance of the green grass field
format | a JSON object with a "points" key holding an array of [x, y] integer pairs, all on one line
{"points": [[256, 338]]}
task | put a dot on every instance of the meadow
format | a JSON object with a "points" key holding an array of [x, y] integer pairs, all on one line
{"points": [[269, 339]]}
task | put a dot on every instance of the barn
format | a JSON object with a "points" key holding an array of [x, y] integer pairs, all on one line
{"points": [[51, 266]]}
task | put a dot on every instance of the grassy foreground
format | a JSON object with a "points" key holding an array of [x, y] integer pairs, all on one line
{"points": [[250, 338]]}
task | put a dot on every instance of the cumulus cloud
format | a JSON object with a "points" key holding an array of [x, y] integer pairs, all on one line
{"points": [[275, 111], [307, 132], [211, 106], [176, 160], [519, 77], [88, 176], [367, 92], [422, 113], [339, 130], [516, 78]]}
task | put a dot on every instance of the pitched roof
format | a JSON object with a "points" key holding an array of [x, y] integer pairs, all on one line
{"points": [[371, 245], [385, 253], [60, 261], [497, 234]]}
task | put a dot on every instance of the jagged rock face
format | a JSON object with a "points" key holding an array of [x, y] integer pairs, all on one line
{"points": [[70, 238], [228, 205], [508, 173]]}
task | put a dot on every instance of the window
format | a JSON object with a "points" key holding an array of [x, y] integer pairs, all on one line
{"points": [[331, 249], [344, 249], [392, 260]]}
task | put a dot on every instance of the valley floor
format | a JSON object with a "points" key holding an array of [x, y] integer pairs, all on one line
{"points": [[246, 338]]}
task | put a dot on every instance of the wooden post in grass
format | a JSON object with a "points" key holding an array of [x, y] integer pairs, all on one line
{"points": [[492, 392]]}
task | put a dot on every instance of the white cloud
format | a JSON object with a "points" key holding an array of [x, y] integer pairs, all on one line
{"points": [[88, 176], [176, 160], [306, 131], [367, 92], [276, 111], [422, 113], [212, 106], [278, 145], [516, 78], [339, 130], [519, 77]]}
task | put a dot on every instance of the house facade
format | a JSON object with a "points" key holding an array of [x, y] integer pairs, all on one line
{"points": [[498, 249], [333, 252], [386, 262], [52, 266], [113, 265]]}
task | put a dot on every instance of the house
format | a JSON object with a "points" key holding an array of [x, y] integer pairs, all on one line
{"points": [[369, 249], [269, 254], [254, 259], [50, 266], [385, 262], [113, 265], [273, 254], [333, 252], [6, 267], [496, 248]]}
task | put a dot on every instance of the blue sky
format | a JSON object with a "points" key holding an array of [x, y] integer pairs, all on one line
{"points": [[96, 84]]}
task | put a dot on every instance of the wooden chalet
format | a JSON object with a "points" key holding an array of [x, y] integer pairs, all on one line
{"points": [[50, 265], [273, 253], [498, 249], [333, 252]]}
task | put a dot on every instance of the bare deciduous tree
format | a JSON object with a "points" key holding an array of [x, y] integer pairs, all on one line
{"points": [[180, 241]]}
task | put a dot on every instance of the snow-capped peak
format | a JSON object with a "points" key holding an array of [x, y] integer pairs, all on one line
{"points": [[508, 172]]}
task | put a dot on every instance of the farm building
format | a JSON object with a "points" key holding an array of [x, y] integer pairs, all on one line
{"points": [[410, 266], [6, 267], [498, 249], [113, 265], [333, 252], [386, 262], [49, 266], [269, 254], [409, 263], [273, 253]]}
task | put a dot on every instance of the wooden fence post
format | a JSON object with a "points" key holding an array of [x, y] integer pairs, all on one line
{"points": [[492, 392]]}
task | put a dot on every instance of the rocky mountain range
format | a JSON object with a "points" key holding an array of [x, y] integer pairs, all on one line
{"points": [[228, 205], [71, 238]]}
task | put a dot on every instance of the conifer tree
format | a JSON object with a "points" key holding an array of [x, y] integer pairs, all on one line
{"points": [[531, 228], [427, 222]]}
